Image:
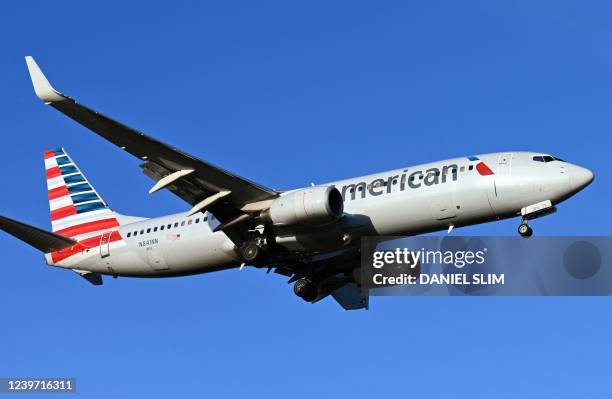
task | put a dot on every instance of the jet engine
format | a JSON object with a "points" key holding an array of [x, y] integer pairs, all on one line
{"points": [[307, 207]]}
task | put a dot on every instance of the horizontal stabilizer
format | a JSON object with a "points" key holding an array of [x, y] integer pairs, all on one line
{"points": [[40, 239]]}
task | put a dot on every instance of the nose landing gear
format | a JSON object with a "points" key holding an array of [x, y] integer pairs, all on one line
{"points": [[524, 230], [534, 211]]}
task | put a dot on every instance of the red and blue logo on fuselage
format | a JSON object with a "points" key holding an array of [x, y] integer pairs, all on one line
{"points": [[481, 167]]}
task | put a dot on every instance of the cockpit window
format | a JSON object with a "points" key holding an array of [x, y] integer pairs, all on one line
{"points": [[546, 158]]}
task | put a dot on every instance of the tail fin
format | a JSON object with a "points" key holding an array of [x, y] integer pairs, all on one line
{"points": [[77, 210]]}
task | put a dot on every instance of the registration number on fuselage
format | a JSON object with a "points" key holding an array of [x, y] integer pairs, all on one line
{"points": [[148, 243]]}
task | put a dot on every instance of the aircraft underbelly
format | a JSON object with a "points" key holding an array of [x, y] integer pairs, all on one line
{"points": [[213, 251], [442, 206], [431, 209], [190, 252], [156, 260]]}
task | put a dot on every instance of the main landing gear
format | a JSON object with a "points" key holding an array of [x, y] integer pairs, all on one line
{"points": [[306, 290], [524, 230], [254, 253], [255, 250], [251, 251]]}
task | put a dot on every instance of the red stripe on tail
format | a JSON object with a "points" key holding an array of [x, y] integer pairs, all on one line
{"points": [[53, 172], [57, 192], [63, 212], [89, 227]]}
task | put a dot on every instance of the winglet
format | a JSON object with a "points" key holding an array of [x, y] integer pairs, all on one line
{"points": [[42, 87]]}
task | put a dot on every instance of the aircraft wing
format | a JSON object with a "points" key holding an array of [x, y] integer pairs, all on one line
{"points": [[350, 297], [204, 186]]}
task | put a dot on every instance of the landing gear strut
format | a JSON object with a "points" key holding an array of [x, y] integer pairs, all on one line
{"points": [[306, 290], [534, 211], [524, 230]]}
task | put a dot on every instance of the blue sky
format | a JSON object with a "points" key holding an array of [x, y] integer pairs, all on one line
{"points": [[286, 94]]}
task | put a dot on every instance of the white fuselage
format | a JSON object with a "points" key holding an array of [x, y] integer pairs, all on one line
{"points": [[407, 201]]}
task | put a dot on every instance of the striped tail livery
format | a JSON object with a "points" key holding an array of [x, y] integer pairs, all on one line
{"points": [[77, 210]]}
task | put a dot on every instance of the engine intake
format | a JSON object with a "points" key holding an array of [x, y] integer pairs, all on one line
{"points": [[310, 206]]}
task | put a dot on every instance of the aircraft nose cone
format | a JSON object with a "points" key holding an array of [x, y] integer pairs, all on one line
{"points": [[580, 177]]}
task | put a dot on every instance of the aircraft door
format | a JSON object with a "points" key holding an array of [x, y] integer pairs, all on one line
{"points": [[105, 244], [503, 195], [504, 164], [503, 181]]}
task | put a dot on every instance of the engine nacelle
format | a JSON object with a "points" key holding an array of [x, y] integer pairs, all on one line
{"points": [[310, 206]]}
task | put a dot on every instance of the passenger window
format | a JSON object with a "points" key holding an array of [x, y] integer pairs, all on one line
{"points": [[205, 218], [471, 167], [197, 220], [135, 233], [183, 223], [189, 222], [162, 227], [148, 230], [176, 225], [129, 234], [169, 226], [462, 169], [141, 232], [155, 229]]}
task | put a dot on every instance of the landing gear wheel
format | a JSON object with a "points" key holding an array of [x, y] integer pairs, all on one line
{"points": [[250, 252], [524, 230], [306, 290]]}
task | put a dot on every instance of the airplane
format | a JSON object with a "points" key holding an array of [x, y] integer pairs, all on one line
{"points": [[310, 235]]}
